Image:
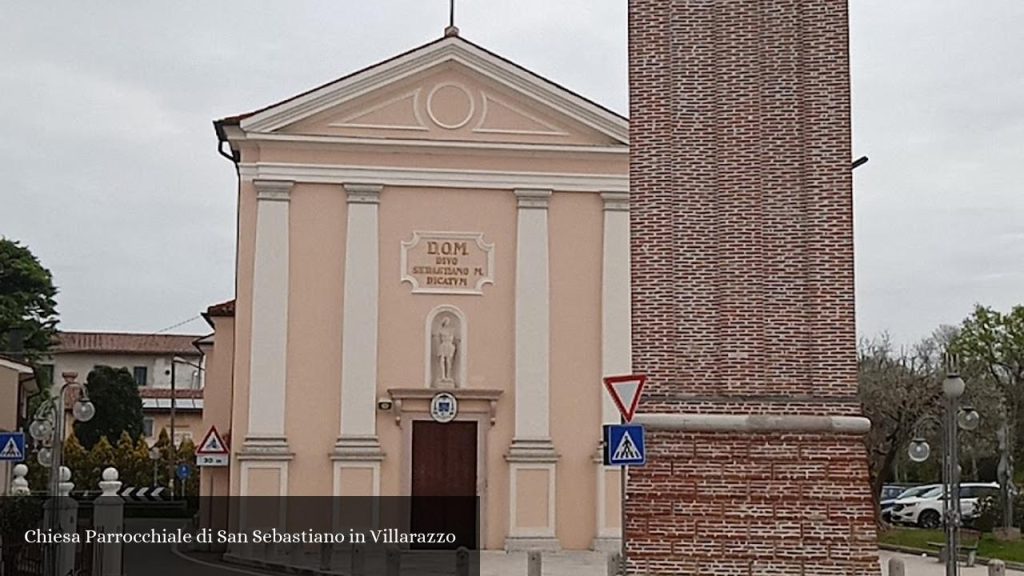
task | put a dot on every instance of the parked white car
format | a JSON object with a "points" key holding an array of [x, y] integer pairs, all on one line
{"points": [[886, 504], [925, 510]]}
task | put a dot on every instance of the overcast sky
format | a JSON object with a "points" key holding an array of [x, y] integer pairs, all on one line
{"points": [[111, 175]]}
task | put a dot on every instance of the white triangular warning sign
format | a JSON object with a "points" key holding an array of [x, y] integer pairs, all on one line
{"points": [[212, 443], [626, 450], [11, 451], [626, 391]]}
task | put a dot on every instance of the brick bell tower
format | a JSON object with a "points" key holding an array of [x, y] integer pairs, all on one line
{"points": [[743, 292]]}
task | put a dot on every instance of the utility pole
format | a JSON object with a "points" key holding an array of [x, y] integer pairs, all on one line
{"points": [[174, 446], [1005, 473]]}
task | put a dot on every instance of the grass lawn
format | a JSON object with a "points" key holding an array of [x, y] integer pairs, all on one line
{"points": [[917, 538]]}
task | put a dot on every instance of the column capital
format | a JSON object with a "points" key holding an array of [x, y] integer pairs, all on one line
{"points": [[274, 190], [533, 198], [616, 201], [363, 193]]}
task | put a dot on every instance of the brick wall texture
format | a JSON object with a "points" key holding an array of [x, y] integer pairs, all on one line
{"points": [[743, 287]]}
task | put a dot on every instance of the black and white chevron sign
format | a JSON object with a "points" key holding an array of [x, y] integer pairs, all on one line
{"points": [[144, 493]]}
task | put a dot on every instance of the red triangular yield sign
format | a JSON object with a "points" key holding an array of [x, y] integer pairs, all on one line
{"points": [[626, 391], [212, 443]]}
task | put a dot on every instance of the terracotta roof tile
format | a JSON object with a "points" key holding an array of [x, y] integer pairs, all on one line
{"points": [[126, 343], [222, 309]]}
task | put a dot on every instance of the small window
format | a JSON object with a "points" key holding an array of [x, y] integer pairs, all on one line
{"points": [[141, 375], [147, 427]]}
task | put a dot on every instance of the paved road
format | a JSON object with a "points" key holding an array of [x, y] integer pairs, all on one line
{"points": [[165, 560], [929, 566]]}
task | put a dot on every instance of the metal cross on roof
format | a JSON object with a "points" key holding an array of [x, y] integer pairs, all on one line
{"points": [[451, 30]]}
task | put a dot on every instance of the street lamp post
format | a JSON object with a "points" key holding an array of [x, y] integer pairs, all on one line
{"points": [[47, 428], [954, 418], [174, 446], [175, 360], [154, 455]]}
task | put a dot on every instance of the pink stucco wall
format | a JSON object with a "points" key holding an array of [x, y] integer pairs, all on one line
{"points": [[317, 237]]}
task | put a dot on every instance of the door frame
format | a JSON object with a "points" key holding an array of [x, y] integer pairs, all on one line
{"points": [[483, 423]]}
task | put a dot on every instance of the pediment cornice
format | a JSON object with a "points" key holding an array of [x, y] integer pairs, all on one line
{"points": [[542, 93]]}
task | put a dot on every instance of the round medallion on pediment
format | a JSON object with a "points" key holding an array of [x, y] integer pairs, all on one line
{"points": [[450, 106]]}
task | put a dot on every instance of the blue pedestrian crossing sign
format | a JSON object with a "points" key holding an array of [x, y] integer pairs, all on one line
{"points": [[624, 445], [12, 446]]}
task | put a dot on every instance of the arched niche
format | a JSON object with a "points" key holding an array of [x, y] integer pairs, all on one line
{"points": [[446, 348]]}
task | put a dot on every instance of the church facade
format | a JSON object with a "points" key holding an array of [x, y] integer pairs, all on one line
{"points": [[433, 276]]}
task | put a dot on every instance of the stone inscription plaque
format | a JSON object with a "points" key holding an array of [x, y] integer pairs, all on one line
{"points": [[447, 262]]}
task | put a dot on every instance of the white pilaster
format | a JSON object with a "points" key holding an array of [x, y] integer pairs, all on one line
{"points": [[616, 336], [616, 317], [358, 431], [532, 450], [533, 322], [269, 350]]}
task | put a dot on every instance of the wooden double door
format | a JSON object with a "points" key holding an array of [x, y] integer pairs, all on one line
{"points": [[444, 479]]}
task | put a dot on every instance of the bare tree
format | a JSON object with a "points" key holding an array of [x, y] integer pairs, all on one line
{"points": [[897, 389]]}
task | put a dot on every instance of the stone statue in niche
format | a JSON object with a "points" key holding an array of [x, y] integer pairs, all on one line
{"points": [[445, 346]]}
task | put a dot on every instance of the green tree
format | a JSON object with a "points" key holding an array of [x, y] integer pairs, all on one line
{"points": [[38, 475], [101, 456], [76, 458], [979, 448], [42, 399], [141, 454], [897, 389], [115, 395], [132, 471], [28, 311], [167, 457], [187, 456], [994, 342]]}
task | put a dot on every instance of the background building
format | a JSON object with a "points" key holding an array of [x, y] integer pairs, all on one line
{"points": [[151, 360], [17, 383]]}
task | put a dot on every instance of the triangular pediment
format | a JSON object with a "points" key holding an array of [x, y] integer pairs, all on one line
{"points": [[450, 90]]}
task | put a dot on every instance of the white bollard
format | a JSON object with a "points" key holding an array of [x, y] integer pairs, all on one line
{"points": [[393, 561], [326, 556], [896, 567], [533, 564], [996, 568], [65, 508], [358, 560], [614, 566], [462, 561], [19, 485], [108, 517]]}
